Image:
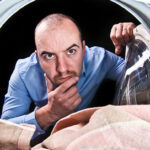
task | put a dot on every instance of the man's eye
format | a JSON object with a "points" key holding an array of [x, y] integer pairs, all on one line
{"points": [[71, 51], [49, 56]]}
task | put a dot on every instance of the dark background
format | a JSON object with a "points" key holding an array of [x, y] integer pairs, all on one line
{"points": [[95, 17]]}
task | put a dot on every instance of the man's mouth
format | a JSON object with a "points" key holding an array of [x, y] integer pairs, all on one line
{"points": [[63, 79]]}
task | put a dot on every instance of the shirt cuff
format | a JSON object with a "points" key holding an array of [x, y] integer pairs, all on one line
{"points": [[30, 119]]}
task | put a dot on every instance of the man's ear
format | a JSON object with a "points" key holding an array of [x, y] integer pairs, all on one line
{"points": [[83, 44], [36, 53]]}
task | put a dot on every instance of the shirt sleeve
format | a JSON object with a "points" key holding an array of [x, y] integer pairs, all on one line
{"points": [[17, 103], [115, 66]]}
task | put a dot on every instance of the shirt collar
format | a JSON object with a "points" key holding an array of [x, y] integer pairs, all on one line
{"points": [[83, 69]]}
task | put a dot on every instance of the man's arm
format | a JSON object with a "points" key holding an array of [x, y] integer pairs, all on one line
{"points": [[115, 68], [17, 103]]}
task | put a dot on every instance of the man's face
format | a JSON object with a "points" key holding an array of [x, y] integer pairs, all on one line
{"points": [[60, 52]]}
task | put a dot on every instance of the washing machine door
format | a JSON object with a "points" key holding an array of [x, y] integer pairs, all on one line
{"points": [[140, 9], [10, 7], [134, 87]]}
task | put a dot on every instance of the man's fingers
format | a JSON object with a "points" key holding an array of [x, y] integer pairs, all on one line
{"points": [[115, 35], [118, 50], [121, 34], [67, 84], [70, 92], [71, 103], [125, 35], [130, 30], [76, 103], [49, 84]]}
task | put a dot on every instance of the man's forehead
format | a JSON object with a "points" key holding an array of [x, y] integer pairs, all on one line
{"points": [[56, 33], [57, 37], [45, 26]]}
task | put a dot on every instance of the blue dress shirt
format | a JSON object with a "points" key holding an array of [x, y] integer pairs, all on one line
{"points": [[27, 84]]}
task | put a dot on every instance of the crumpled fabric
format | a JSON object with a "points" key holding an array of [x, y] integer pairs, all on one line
{"points": [[14, 136], [102, 128]]}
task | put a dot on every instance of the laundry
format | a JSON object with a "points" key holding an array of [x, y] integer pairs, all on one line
{"points": [[14, 136], [103, 128], [109, 127]]}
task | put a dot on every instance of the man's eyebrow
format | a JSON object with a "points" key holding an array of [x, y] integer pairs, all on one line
{"points": [[73, 45], [45, 52]]}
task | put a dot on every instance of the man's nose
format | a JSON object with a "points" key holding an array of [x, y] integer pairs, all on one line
{"points": [[61, 65]]}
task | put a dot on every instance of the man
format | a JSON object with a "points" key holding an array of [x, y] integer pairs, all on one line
{"points": [[63, 74]]}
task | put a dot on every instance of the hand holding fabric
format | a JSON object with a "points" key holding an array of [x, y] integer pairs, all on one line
{"points": [[121, 34]]}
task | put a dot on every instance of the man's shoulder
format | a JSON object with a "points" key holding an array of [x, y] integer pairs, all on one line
{"points": [[24, 63], [27, 64], [94, 53], [97, 51], [94, 49]]}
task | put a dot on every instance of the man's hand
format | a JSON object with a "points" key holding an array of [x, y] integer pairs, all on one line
{"points": [[121, 34], [61, 102], [64, 99]]}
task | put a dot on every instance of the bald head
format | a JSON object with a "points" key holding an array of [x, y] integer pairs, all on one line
{"points": [[52, 22]]}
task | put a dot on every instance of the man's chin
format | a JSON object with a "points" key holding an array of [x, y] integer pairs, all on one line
{"points": [[59, 83]]}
